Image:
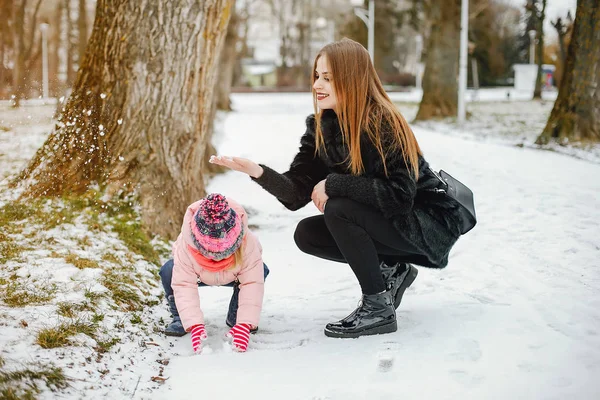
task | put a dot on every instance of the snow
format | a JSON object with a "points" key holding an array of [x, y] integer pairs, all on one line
{"points": [[516, 314]]}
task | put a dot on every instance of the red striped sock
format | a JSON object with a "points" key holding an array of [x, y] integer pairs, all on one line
{"points": [[241, 336], [198, 335]]}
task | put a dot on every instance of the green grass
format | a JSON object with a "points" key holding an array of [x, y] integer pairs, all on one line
{"points": [[102, 346], [21, 294], [9, 249], [120, 290], [50, 338], [136, 319], [72, 310], [110, 257], [24, 382], [81, 262]]}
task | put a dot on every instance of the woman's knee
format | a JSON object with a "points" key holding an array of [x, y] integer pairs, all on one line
{"points": [[302, 236]]}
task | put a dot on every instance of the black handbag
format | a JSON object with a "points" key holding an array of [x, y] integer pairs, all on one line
{"points": [[463, 196]]}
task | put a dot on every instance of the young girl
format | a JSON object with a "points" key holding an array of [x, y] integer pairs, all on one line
{"points": [[360, 164], [216, 247]]}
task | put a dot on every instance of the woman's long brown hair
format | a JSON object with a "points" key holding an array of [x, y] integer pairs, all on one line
{"points": [[363, 106]]}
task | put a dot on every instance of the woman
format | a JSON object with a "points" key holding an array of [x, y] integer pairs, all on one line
{"points": [[361, 165]]}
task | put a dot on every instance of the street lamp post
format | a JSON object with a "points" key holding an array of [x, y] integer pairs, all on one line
{"points": [[462, 73], [368, 17], [44, 29]]}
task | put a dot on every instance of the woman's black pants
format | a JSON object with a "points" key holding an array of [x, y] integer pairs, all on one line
{"points": [[353, 233]]}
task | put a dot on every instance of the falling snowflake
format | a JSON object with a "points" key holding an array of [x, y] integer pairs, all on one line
{"points": [[102, 95]]}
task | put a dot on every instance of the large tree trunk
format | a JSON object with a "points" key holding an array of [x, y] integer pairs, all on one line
{"points": [[440, 86], [576, 112], [537, 92], [136, 121]]}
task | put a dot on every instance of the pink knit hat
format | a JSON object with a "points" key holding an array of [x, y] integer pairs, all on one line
{"points": [[217, 230]]}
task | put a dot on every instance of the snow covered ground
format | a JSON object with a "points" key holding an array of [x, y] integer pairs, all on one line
{"points": [[516, 314]]}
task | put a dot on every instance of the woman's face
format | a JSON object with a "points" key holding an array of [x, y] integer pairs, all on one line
{"points": [[323, 87]]}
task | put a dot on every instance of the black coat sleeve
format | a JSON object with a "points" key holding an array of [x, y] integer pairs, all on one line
{"points": [[294, 187], [393, 195]]}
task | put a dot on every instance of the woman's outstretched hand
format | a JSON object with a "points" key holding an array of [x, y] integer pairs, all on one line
{"points": [[318, 196], [238, 164]]}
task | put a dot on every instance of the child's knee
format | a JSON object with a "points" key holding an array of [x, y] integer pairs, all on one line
{"points": [[166, 271]]}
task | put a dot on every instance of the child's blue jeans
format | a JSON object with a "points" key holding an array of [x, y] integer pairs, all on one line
{"points": [[166, 275]]}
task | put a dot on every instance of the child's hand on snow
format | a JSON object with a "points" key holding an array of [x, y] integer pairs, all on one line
{"points": [[198, 335], [240, 334]]}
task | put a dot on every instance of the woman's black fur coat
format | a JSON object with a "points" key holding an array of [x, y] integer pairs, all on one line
{"points": [[424, 217]]}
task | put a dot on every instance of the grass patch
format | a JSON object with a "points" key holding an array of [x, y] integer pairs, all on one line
{"points": [[15, 294], [120, 216], [105, 345], [136, 319], [131, 233], [97, 318], [81, 262], [93, 296], [71, 310], [120, 290], [50, 338], [110, 257], [24, 382], [9, 249]]}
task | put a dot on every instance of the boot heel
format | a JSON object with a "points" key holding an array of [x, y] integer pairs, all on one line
{"points": [[389, 328], [410, 278]]}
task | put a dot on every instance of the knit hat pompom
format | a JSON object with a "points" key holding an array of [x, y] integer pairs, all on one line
{"points": [[217, 230]]}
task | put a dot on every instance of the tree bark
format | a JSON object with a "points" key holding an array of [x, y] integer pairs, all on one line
{"points": [[82, 28], [440, 85], [537, 92], [137, 119], [576, 112]]}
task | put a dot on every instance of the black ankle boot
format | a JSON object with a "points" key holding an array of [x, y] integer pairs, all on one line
{"points": [[375, 315], [397, 279]]}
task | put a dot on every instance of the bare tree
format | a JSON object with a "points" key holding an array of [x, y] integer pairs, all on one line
{"points": [[576, 112], [137, 119], [562, 30], [5, 41], [440, 86], [227, 64], [537, 92], [26, 47], [54, 50]]}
